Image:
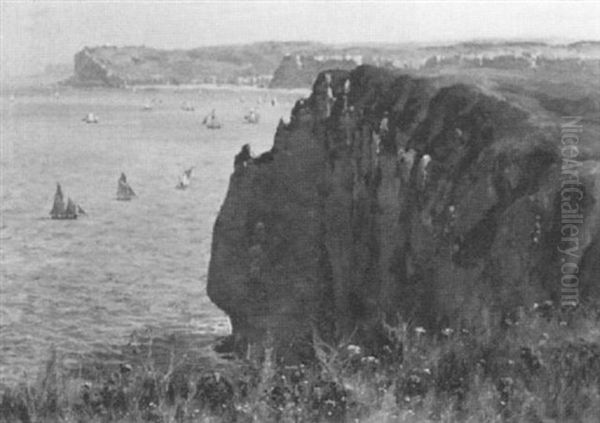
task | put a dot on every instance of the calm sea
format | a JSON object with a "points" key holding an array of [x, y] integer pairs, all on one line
{"points": [[85, 286]]}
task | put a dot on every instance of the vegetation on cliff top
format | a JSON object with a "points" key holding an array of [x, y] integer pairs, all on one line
{"points": [[544, 367]]}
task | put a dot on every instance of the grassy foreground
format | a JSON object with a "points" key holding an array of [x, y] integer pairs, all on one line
{"points": [[543, 367]]}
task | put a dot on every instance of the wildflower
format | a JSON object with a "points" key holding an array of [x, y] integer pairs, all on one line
{"points": [[447, 331], [420, 330], [369, 359], [427, 370], [354, 349], [125, 368]]}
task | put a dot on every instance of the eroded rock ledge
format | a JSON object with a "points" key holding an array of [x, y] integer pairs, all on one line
{"points": [[330, 232]]}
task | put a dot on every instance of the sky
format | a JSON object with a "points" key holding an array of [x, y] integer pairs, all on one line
{"points": [[39, 32]]}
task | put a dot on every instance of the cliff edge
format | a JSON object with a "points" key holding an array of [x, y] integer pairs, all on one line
{"points": [[389, 197]]}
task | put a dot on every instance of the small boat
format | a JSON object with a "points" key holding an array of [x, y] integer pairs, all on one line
{"points": [[252, 117], [90, 118], [124, 191], [62, 211], [184, 179], [147, 107], [211, 121], [188, 107]]}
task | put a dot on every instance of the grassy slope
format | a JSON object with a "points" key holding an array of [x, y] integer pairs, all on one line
{"points": [[544, 367]]}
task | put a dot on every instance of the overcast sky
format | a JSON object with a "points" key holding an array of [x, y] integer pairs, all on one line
{"points": [[35, 33]]}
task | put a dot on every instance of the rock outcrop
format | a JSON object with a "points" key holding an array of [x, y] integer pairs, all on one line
{"points": [[452, 213], [299, 71]]}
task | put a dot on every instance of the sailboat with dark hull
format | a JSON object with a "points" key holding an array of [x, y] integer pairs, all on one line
{"points": [[62, 210], [185, 178], [124, 191]]}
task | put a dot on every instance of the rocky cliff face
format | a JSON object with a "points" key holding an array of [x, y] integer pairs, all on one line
{"points": [[299, 71], [450, 216], [95, 71]]}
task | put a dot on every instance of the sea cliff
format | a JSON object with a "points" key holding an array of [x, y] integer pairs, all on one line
{"points": [[451, 217]]}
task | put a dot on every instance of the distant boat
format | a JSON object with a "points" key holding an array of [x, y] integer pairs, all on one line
{"points": [[124, 191], [90, 118], [252, 117], [63, 211], [185, 178], [147, 107], [211, 121], [188, 107]]}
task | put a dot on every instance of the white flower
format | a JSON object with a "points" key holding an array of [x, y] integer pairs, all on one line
{"points": [[447, 331], [369, 359], [354, 349], [420, 330]]}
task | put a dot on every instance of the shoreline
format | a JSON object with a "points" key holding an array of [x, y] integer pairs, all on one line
{"points": [[8, 88]]}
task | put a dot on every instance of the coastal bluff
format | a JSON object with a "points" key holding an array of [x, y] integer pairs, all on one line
{"points": [[453, 215]]}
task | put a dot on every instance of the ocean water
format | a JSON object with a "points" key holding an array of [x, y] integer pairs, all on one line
{"points": [[86, 286]]}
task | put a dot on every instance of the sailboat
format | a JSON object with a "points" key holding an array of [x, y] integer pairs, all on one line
{"points": [[124, 191], [211, 121], [90, 118], [252, 117], [60, 210], [184, 179], [187, 107]]}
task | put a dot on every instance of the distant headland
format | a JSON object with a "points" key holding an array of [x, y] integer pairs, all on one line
{"points": [[296, 64]]}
